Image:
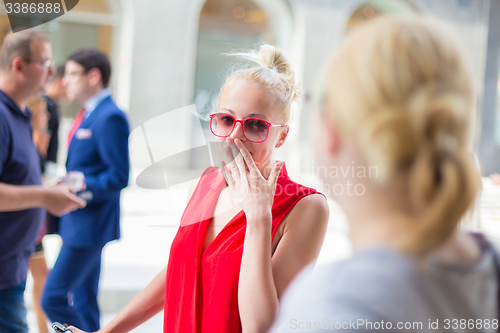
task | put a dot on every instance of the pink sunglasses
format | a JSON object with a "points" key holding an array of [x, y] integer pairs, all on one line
{"points": [[254, 129]]}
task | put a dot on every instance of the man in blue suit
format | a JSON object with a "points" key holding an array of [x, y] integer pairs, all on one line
{"points": [[25, 69], [98, 147]]}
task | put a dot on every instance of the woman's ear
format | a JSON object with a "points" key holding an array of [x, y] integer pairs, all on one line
{"points": [[95, 76], [17, 65], [282, 138]]}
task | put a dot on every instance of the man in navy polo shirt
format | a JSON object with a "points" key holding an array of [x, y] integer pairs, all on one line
{"points": [[25, 68]]}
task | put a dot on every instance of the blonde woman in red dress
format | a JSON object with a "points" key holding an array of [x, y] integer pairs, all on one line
{"points": [[248, 229]]}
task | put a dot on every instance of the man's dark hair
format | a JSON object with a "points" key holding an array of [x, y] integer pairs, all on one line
{"points": [[19, 45], [93, 58], [60, 71]]}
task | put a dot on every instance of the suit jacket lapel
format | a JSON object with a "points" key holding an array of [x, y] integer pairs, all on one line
{"points": [[89, 120]]}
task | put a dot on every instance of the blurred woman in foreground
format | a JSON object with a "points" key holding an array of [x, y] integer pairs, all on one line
{"points": [[398, 97]]}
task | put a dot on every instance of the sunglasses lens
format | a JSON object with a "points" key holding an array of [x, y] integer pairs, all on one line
{"points": [[222, 124], [255, 129]]}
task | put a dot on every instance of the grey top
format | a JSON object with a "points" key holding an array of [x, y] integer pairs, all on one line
{"points": [[382, 290]]}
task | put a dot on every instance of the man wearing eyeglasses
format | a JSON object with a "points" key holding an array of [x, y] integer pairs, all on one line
{"points": [[98, 147], [25, 69]]}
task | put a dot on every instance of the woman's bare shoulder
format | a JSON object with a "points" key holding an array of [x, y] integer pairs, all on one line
{"points": [[308, 211]]}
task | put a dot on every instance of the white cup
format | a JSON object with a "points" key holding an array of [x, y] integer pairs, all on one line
{"points": [[75, 179]]}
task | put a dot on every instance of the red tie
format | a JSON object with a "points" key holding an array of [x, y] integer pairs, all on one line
{"points": [[76, 123]]}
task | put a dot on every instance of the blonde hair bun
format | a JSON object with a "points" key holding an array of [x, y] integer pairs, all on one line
{"points": [[273, 58], [273, 73]]}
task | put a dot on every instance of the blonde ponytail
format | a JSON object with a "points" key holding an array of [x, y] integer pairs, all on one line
{"points": [[443, 178]]}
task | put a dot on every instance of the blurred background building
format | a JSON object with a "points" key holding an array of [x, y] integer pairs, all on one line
{"points": [[170, 54]]}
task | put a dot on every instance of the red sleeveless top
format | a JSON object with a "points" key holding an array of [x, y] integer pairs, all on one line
{"points": [[201, 291]]}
